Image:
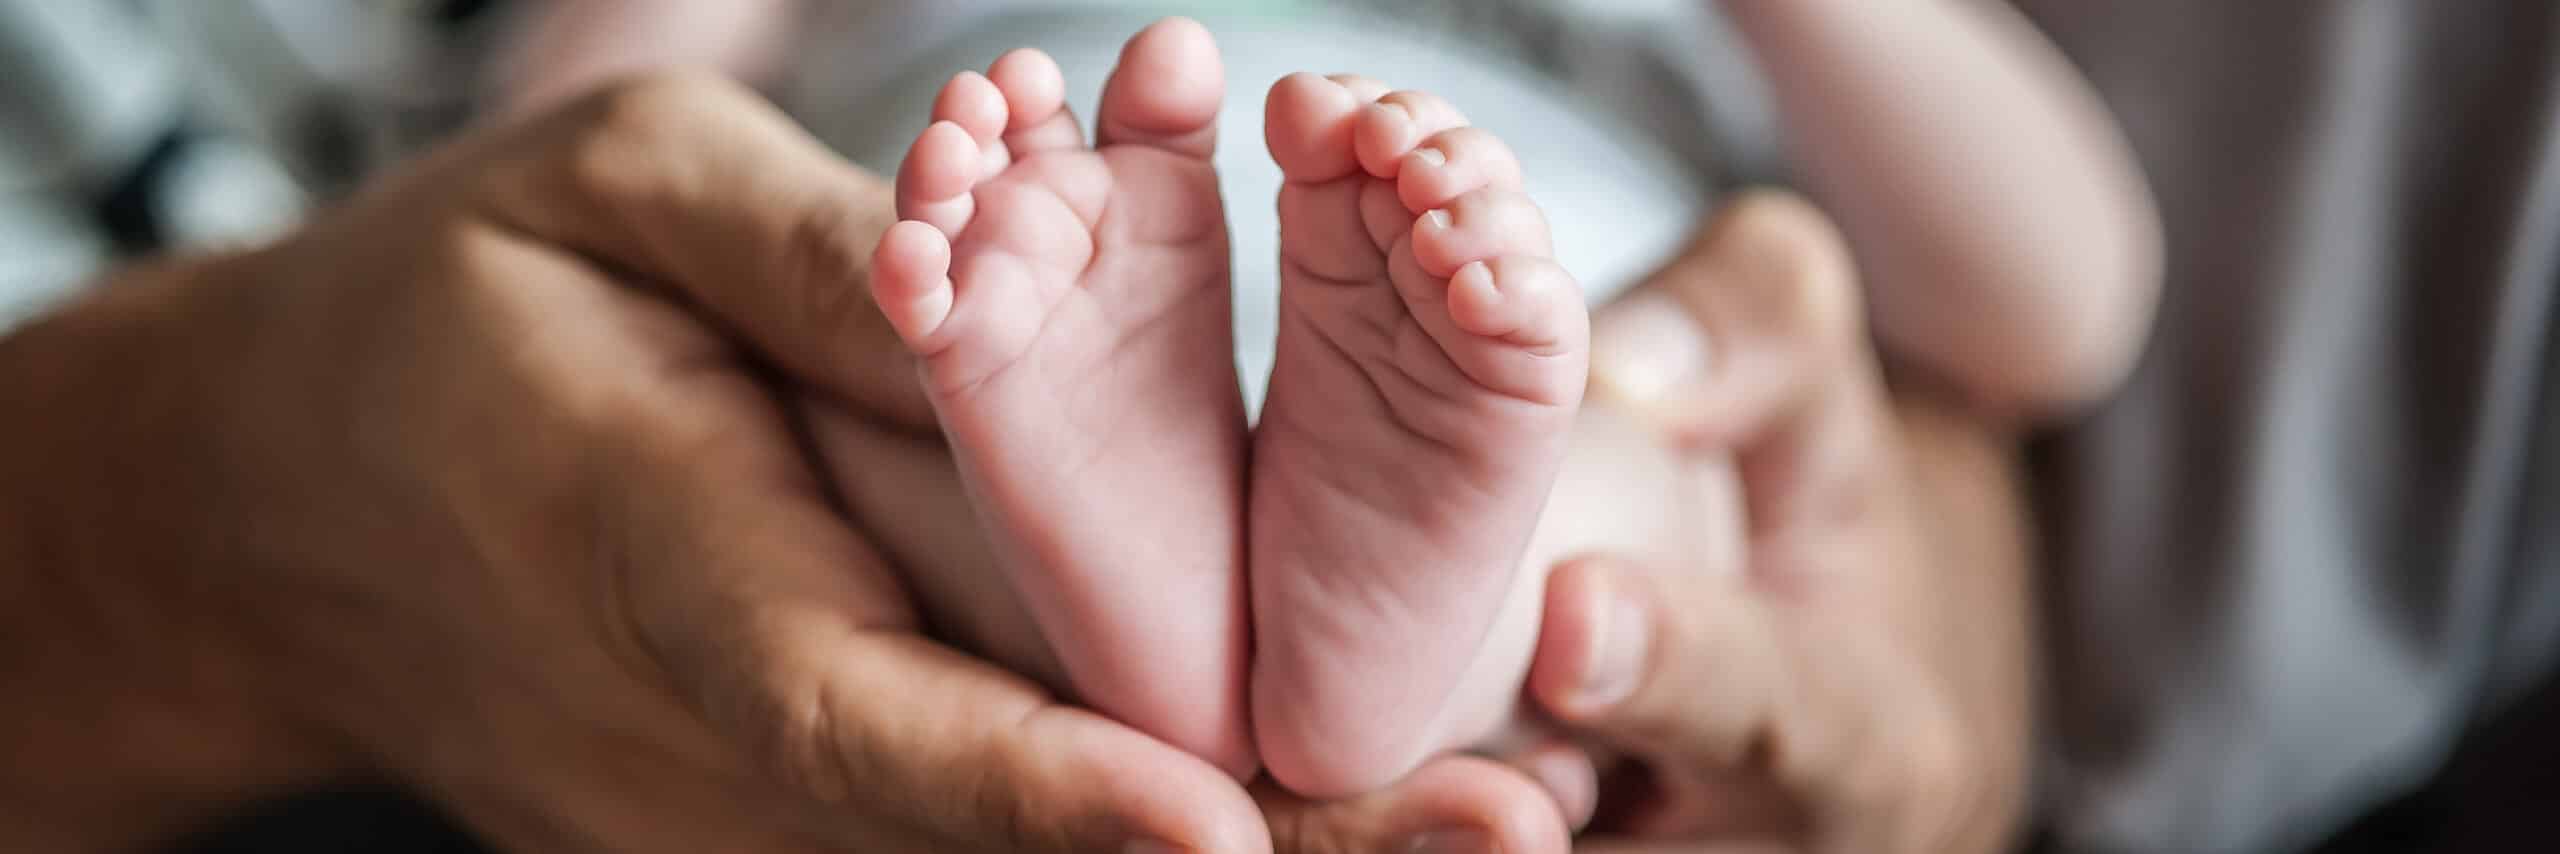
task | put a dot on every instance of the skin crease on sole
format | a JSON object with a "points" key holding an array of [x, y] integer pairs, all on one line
{"points": [[1431, 361], [1069, 305], [1032, 286]]}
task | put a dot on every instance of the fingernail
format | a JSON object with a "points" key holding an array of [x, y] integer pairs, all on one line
{"points": [[1451, 842], [1645, 349], [1150, 846], [1617, 656], [1568, 776], [1431, 156], [1437, 218]]}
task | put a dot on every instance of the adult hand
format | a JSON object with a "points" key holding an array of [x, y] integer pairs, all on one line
{"points": [[898, 477], [470, 485], [1860, 686]]}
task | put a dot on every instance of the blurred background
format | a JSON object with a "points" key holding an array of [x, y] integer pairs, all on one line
{"points": [[2299, 578]]}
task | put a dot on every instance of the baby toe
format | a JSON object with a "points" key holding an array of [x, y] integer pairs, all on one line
{"points": [[911, 282], [1033, 86], [1478, 226], [935, 179], [1453, 163], [975, 104], [1395, 124], [1307, 124], [1034, 91], [1166, 90], [1530, 302]]}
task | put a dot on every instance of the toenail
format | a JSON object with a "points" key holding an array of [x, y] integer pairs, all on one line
{"points": [[1646, 348], [1437, 218], [1431, 156], [1617, 655], [1396, 110]]}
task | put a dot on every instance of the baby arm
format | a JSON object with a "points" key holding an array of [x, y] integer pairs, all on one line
{"points": [[2012, 245]]}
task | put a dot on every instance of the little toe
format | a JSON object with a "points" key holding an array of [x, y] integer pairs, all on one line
{"points": [[1478, 226], [1526, 301], [1526, 334], [911, 281], [1395, 124], [1307, 123], [1035, 96], [1453, 163], [935, 180], [1166, 90]]}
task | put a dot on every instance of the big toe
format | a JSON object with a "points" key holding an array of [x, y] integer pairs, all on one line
{"points": [[1166, 90], [1307, 122]]}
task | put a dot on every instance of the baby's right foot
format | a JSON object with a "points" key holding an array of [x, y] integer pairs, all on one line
{"points": [[1070, 308], [1431, 358]]}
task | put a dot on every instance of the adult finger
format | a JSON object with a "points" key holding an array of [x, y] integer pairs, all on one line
{"points": [[696, 184], [1451, 804], [1754, 343], [1699, 683], [1753, 315], [791, 639], [1703, 674]]}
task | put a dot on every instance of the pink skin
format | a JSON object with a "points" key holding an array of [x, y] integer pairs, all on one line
{"points": [[1069, 305], [1431, 359]]}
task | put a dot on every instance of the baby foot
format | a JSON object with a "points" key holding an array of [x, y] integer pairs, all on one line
{"points": [[1069, 305], [1431, 358]]}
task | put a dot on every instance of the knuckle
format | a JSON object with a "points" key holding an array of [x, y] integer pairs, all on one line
{"points": [[1798, 259], [806, 752], [992, 806], [626, 131], [824, 260], [1772, 268], [785, 723], [456, 251], [988, 795], [610, 161]]}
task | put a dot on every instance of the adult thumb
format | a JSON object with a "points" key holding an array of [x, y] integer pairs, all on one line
{"points": [[1726, 337], [1693, 675], [696, 185], [792, 639]]}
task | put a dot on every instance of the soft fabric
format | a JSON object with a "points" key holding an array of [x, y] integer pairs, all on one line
{"points": [[2313, 544]]}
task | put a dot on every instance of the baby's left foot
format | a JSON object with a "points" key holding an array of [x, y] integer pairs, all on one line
{"points": [[1431, 358]]}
